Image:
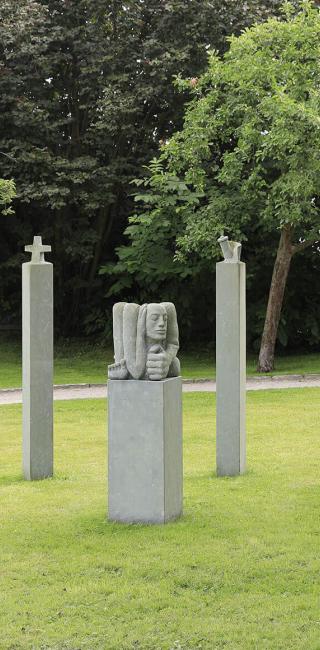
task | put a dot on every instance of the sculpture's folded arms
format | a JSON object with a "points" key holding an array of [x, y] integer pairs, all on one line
{"points": [[146, 341]]}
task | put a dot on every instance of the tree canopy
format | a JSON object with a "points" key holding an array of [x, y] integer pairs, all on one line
{"points": [[246, 161], [86, 98], [7, 194]]}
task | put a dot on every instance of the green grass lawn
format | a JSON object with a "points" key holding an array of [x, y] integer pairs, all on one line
{"points": [[79, 362], [240, 570]]}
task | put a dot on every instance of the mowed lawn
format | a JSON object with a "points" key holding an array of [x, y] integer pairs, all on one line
{"points": [[240, 570], [80, 362]]}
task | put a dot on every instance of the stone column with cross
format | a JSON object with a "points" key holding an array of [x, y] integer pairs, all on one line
{"points": [[37, 363]]}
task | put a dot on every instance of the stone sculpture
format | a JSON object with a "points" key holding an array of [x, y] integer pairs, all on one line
{"points": [[231, 249], [37, 362], [231, 360], [146, 341], [145, 417]]}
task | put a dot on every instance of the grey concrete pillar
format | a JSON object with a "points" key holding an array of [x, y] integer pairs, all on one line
{"points": [[145, 450], [37, 363], [231, 367]]}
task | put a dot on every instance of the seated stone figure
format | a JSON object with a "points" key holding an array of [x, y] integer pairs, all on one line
{"points": [[146, 341]]}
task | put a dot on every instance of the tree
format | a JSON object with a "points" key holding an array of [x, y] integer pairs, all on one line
{"points": [[247, 159], [86, 95], [7, 193]]}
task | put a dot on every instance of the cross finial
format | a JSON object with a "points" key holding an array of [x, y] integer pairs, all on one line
{"points": [[37, 249]]}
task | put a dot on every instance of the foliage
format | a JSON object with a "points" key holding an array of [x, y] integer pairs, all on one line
{"points": [[300, 321], [7, 193], [86, 95], [247, 159], [239, 571]]}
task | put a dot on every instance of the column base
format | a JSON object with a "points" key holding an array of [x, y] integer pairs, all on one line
{"points": [[145, 450]]}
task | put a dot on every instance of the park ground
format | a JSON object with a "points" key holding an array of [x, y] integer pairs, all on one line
{"points": [[240, 570], [80, 362]]}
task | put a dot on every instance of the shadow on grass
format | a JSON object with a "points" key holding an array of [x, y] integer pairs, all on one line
{"points": [[16, 479], [13, 479]]}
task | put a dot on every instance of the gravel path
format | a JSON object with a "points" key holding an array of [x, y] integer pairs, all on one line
{"points": [[92, 391]]}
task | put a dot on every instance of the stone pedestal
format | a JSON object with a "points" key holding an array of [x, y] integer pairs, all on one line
{"points": [[37, 372], [145, 450], [231, 368]]}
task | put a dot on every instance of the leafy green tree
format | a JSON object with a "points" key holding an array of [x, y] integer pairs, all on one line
{"points": [[86, 95], [247, 159], [7, 193]]}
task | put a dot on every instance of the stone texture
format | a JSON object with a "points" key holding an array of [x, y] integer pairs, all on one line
{"points": [[37, 373], [230, 368], [145, 450], [231, 249], [146, 341]]}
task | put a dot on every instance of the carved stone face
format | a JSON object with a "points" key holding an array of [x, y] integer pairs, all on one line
{"points": [[156, 322]]}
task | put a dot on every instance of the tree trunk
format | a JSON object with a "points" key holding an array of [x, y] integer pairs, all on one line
{"points": [[104, 230], [278, 285]]}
